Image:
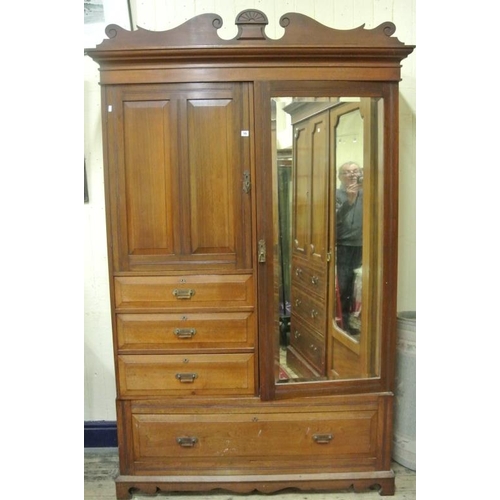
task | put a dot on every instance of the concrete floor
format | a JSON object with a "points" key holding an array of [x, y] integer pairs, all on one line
{"points": [[101, 466]]}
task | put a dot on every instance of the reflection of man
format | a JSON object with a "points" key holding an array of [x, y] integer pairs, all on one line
{"points": [[349, 221]]}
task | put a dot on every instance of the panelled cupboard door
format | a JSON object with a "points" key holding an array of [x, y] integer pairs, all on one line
{"points": [[310, 181], [179, 164]]}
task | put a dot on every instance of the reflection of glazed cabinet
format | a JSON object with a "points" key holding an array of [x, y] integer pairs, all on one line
{"points": [[193, 272]]}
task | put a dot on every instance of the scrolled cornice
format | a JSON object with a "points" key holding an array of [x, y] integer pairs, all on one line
{"points": [[198, 38]]}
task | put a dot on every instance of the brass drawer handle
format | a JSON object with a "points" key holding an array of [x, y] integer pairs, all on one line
{"points": [[185, 333], [314, 280], [187, 442], [297, 302], [322, 438], [298, 272], [314, 313], [296, 334], [186, 378], [183, 293]]}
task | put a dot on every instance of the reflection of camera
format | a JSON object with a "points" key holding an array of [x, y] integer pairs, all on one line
{"points": [[360, 179]]}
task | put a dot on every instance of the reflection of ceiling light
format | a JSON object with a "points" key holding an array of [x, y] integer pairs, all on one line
{"points": [[349, 99]]}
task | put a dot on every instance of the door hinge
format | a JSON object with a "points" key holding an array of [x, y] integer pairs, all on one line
{"points": [[247, 185], [262, 251], [329, 256]]}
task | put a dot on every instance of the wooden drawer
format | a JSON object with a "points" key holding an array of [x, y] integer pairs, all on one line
{"points": [[242, 439], [184, 292], [311, 279], [185, 331], [307, 342], [178, 375], [309, 309]]}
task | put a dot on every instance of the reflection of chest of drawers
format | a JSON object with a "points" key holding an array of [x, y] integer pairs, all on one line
{"points": [[306, 352]]}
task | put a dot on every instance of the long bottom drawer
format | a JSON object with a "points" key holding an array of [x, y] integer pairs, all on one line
{"points": [[250, 435], [190, 443]]}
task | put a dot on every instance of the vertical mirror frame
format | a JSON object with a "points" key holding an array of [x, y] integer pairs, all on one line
{"points": [[383, 273]]}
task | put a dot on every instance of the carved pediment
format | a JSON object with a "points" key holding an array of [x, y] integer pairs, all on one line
{"points": [[302, 33]]}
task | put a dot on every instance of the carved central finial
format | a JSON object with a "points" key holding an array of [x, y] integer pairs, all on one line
{"points": [[251, 25]]}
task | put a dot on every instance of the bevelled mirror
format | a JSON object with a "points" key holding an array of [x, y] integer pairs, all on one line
{"points": [[327, 154]]}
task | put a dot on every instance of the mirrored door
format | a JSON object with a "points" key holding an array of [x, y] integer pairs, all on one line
{"points": [[326, 209]]}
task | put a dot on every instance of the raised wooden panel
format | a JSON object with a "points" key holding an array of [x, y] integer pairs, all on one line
{"points": [[301, 190], [186, 374], [211, 175], [186, 331], [320, 165], [148, 177], [346, 361], [184, 292]]}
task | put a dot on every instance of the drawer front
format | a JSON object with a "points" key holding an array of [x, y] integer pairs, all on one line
{"points": [[274, 437], [183, 375], [185, 331], [309, 278], [308, 308], [183, 292], [308, 343]]}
